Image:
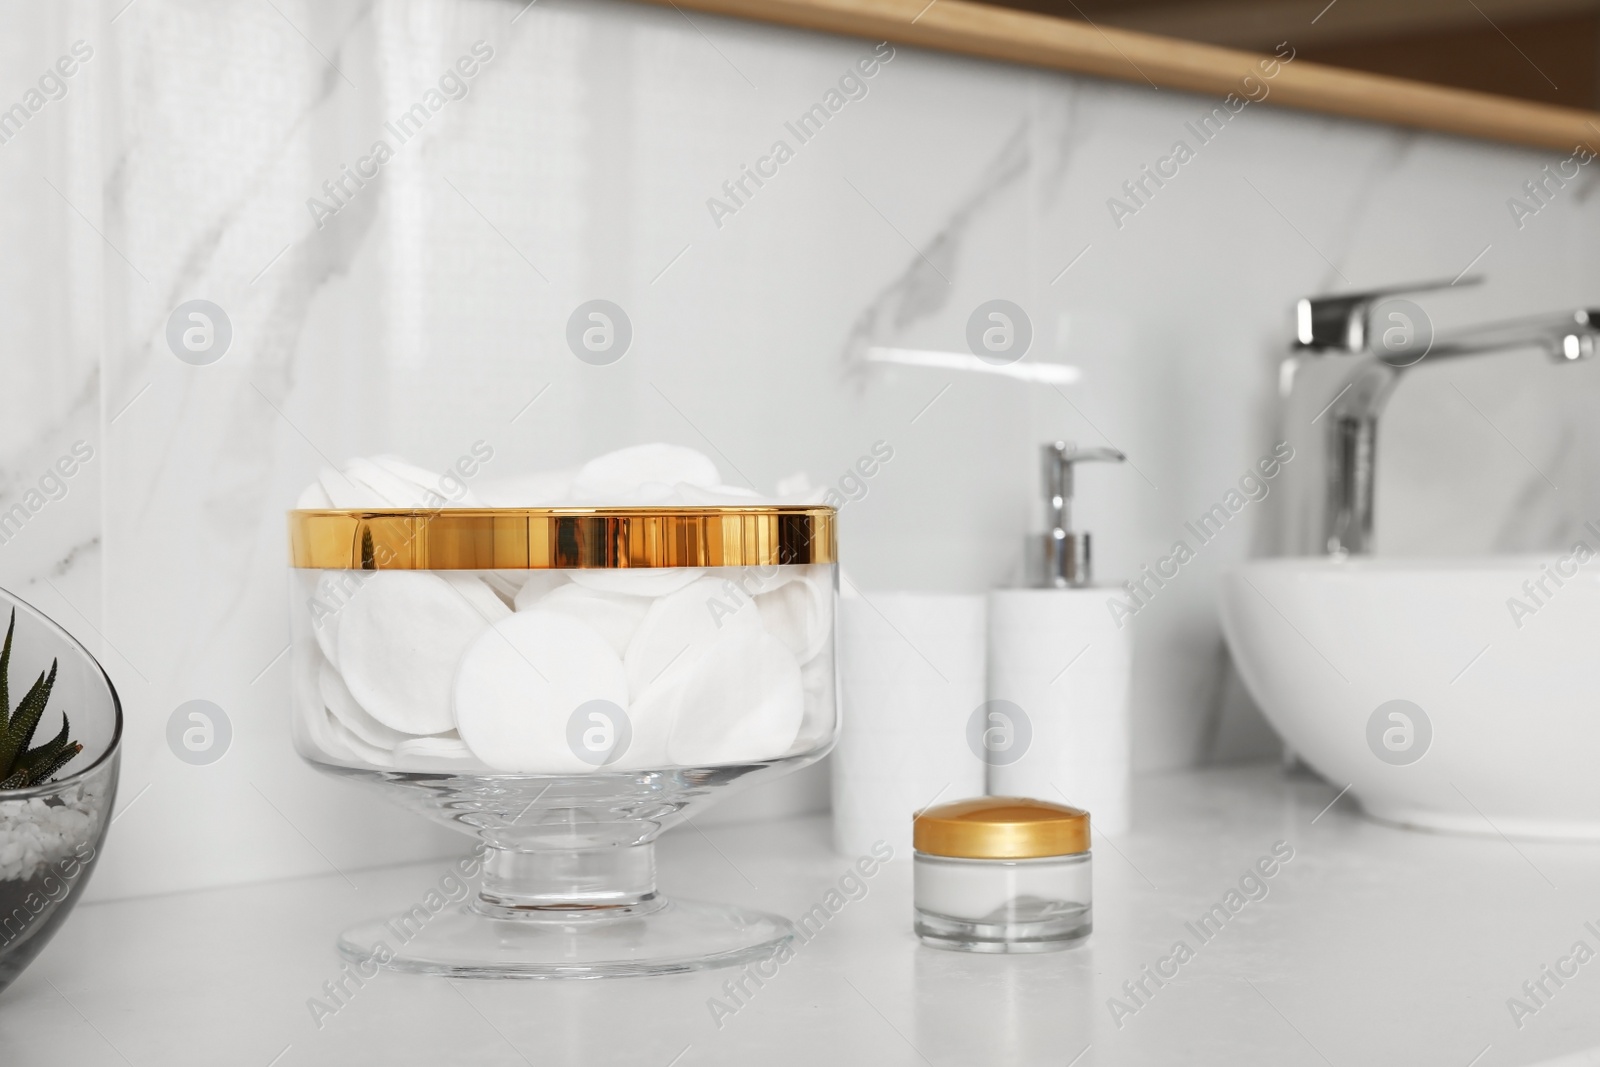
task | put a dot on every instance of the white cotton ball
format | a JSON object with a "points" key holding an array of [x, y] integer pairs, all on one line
{"points": [[400, 639], [520, 683], [618, 476], [614, 615]]}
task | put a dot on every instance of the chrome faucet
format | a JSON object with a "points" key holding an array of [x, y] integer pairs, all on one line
{"points": [[1349, 354]]}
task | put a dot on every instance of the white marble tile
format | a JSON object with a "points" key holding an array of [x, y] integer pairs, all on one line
{"points": [[428, 313]]}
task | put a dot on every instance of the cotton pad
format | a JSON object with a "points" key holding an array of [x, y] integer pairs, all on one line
{"points": [[546, 489], [448, 754], [742, 702], [394, 491], [400, 639], [614, 615], [313, 498], [617, 477], [520, 683], [343, 492], [313, 735], [342, 706], [679, 628], [361, 752], [799, 612], [328, 598], [431, 484], [480, 596], [505, 584], [535, 586], [645, 581]]}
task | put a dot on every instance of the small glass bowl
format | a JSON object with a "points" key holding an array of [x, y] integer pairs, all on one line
{"points": [[51, 834], [564, 685], [1002, 874]]}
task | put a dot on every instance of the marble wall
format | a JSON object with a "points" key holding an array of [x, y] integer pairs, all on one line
{"points": [[429, 311]]}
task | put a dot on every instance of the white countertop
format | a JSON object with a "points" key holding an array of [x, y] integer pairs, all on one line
{"points": [[1373, 945]]}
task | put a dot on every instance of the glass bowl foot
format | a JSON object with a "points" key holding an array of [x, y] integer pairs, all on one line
{"points": [[664, 937]]}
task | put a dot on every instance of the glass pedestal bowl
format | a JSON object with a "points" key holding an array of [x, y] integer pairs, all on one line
{"points": [[51, 832], [564, 684]]}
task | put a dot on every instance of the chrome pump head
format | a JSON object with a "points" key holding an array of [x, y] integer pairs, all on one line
{"points": [[1065, 552]]}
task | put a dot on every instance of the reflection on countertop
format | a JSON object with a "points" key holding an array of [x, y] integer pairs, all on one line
{"points": [[1310, 935]]}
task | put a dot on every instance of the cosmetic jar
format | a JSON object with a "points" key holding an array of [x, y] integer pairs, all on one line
{"points": [[1002, 874]]}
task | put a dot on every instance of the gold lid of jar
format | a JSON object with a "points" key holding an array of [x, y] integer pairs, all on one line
{"points": [[1000, 828], [561, 538]]}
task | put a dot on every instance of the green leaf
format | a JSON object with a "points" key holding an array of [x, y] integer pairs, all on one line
{"points": [[42, 773], [5, 669], [19, 731], [49, 751], [16, 781]]}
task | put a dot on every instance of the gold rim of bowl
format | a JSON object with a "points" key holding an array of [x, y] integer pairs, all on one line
{"points": [[561, 538]]}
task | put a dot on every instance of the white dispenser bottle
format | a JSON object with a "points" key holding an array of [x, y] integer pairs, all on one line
{"points": [[1059, 665]]}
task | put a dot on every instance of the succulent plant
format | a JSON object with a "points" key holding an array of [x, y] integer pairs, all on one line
{"points": [[21, 766]]}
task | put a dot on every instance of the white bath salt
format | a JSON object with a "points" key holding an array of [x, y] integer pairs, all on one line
{"points": [[475, 592], [520, 683], [622, 477], [614, 615], [535, 586], [742, 702], [400, 640], [36, 833], [335, 696], [679, 629], [643, 581], [799, 612]]}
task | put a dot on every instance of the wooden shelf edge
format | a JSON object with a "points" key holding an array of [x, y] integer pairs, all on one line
{"points": [[972, 29]]}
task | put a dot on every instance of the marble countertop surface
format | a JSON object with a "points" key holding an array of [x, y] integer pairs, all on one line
{"points": [[1371, 945]]}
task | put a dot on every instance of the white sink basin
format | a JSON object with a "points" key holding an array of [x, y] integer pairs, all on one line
{"points": [[1325, 645]]}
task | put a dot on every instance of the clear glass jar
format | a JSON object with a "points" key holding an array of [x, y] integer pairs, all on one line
{"points": [[565, 684], [1002, 874]]}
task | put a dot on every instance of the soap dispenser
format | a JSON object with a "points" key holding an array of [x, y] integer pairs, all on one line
{"points": [[1056, 723]]}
